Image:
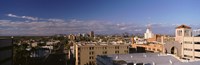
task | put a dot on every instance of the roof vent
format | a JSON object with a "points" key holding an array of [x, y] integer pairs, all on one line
{"points": [[153, 63], [116, 57], [131, 56], [145, 55], [170, 61]]}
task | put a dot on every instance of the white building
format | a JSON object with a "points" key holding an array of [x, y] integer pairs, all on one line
{"points": [[148, 34]]}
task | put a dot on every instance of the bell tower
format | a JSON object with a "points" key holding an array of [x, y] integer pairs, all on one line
{"points": [[182, 31]]}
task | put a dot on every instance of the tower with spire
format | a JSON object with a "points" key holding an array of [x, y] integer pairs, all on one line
{"points": [[148, 34]]}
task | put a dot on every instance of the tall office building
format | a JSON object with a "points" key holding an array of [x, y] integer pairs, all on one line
{"points": [[6, 51], [86, 53]]}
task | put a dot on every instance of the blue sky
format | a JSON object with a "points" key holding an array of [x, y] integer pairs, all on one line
{"points": [[47, 17]]}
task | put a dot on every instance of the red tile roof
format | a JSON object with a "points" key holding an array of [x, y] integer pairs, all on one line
{"points": [[183, 26]]}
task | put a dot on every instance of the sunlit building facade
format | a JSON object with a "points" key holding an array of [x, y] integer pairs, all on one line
{"points": [[86, 53]]}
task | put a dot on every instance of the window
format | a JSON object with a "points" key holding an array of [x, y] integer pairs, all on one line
{"points": [[196, 42], [104, 52], [116, 52], [125, 51], [197, 57], [187, 49], [187, 56], [198, 50], [78, 58], [105, 47], [187, 42], [179, 32], [158, 50], [153, 49], [91, 48], [91, 53], [149, 48], [91, 63], [79, 53], [79, 63], [186, 33], [91, 57], [116, 47]]}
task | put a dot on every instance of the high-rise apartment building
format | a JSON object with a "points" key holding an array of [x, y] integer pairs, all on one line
{"points": [[86, 53]]}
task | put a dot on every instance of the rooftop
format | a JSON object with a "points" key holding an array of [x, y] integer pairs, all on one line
{"points": [[146, 58], [183, 26], [99, 43]]}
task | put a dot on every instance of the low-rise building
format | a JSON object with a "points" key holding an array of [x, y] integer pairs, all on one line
{"points": [[138, 40], [150, 47], [86, 53], [191, 48]]}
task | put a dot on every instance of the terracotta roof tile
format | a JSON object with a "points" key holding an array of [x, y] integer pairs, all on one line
{"points": [[183, 26]]}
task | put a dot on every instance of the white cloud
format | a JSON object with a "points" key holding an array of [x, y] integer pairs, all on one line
{"points": [[63, 27], [40, 26], [30, 18], [12, 15], [23, 17]]}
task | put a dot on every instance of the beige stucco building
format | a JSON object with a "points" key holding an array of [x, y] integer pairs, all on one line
{"points": [[191, 48], [182, 31], [190, 44], [150, 47], [86, 53]]}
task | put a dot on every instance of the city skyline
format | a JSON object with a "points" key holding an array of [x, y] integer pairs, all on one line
{"points": [[48, 17]]}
